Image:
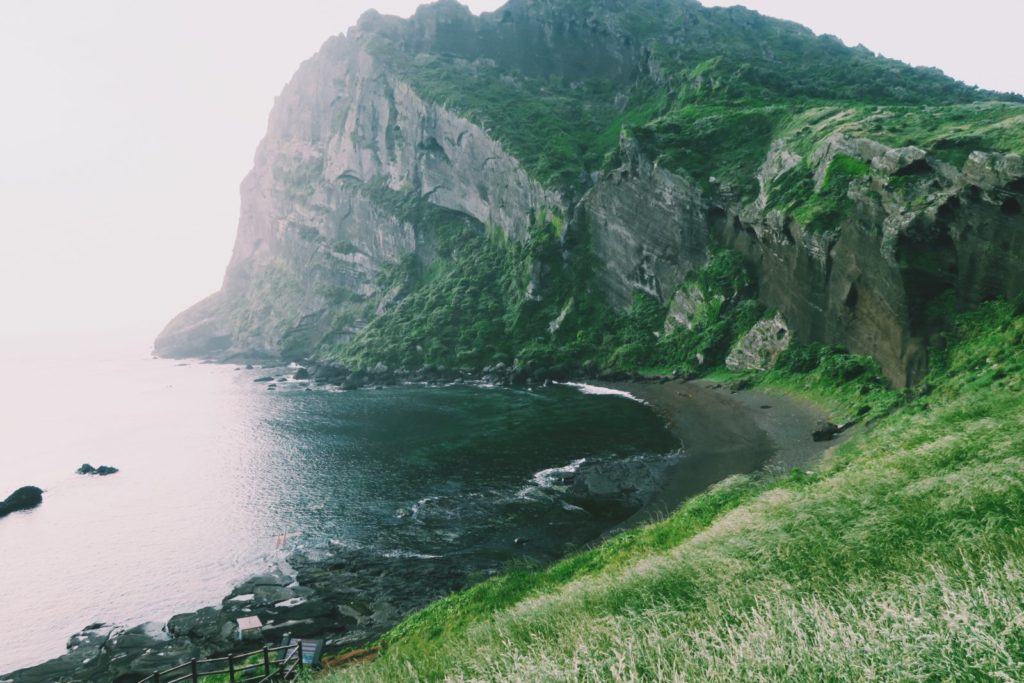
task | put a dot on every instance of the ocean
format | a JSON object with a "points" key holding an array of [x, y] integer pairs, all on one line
{"points": [[221, 478]]}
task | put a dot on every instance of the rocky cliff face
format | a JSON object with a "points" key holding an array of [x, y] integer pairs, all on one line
{"points": [[853, 240], [311, 235], [918, 229]]}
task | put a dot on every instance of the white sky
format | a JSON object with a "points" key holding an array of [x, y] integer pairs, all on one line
{"points": [[126, 127]]}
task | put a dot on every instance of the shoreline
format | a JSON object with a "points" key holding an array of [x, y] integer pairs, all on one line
{"points": [[724, 433]]}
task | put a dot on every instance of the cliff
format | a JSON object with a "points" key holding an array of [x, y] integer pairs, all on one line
{"points": [[548, 181]]}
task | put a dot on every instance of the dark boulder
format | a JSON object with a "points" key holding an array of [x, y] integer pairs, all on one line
{"points": [[207, 626], [25, 498], [299, 609], [249, 585], [270, 595], [825, 431], [519, 376], [741, 384], [264, 379], [301, 373]]}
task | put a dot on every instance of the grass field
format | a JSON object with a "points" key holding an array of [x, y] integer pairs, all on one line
{"points": [[900, 558]]}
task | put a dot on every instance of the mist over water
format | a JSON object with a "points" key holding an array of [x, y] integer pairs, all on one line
{"points": [[221, 478]]}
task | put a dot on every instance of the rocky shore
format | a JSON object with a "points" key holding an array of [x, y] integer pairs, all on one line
{"points": [[525, 375], [349, 597]]}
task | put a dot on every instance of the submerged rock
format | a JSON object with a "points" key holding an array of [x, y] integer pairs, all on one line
{"points": [[25, 498], [616, 487]]}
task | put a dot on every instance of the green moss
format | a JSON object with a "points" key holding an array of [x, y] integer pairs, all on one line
{"points": [[706, 141], [823, 209]]}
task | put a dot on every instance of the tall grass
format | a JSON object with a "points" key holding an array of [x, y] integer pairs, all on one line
{"points": [[901, 559]]}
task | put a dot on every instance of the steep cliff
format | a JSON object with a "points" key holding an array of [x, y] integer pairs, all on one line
{"points": [[541, 182]]}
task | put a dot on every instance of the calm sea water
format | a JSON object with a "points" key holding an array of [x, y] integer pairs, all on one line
{"points": [[221, 478]]}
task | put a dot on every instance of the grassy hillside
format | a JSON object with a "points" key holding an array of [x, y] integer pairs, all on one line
{"points": [[900, 559]]}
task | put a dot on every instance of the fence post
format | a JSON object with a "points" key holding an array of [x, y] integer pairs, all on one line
{"points": [[156, 677], [195, 671], [298, 653], [231, 668], [266, 661]]}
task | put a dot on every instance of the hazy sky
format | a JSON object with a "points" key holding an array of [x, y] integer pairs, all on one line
{"points": [[126, 127]]}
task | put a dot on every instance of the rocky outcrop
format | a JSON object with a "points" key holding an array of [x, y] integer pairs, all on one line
{"points": [[759, 348], [315, 234], [687, 305], [25, 498], [867, 283], [647, 228]]}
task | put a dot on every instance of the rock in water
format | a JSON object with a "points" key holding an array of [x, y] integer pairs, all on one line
{"points": [[25, 498], [102, 470]]}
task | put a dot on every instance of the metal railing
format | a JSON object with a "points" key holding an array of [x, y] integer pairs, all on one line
{"points": [[240, 668]]}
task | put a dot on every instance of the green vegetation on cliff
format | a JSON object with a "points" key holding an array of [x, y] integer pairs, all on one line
{"points": [[900, 556], [482, 300], [714, 89], [709, 94]]}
